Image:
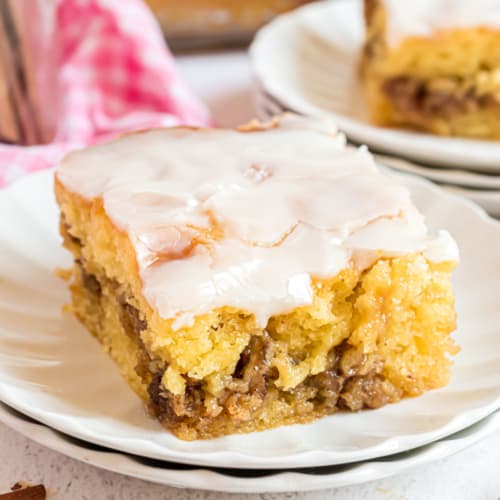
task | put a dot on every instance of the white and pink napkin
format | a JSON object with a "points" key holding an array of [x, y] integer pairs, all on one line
{"points": [[112, 73]]}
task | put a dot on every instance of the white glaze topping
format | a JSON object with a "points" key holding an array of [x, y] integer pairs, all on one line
{"points": [[425, 17], [289, 203]]}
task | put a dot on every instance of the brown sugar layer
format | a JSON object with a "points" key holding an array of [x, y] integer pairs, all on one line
{"points": [[418, 101], [367, 364]]}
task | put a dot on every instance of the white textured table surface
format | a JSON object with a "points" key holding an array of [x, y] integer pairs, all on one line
{"points": [[224, 81]]}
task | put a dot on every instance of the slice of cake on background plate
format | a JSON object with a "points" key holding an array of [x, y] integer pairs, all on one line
{"points": [[434, 65], [245, 279]]}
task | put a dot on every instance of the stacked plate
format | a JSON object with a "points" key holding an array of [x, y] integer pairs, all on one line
{"points": [[59, 387], [307, 62]]}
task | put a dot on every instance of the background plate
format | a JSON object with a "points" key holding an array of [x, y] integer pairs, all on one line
{"points": [[307, 60], [488, 199], [483, 189], [469, 180], [51, 368]]}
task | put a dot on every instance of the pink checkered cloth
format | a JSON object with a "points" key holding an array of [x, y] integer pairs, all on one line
{"points": [[114, 74]]}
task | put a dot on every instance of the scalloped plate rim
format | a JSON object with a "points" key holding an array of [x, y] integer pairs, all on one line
{"points": [[239, 459], [278, 482]]}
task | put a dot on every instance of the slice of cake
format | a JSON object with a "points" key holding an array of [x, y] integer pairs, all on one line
{"points": [[434, 65], [245, 279]]}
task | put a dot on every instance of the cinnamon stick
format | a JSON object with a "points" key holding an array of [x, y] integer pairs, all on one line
{"points": [[37, 492]]}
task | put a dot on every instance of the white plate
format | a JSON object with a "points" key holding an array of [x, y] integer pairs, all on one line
{"points": [[54, 371], [247, 481], [463, 178], [487, 199], [264, 105], [308, 61]]}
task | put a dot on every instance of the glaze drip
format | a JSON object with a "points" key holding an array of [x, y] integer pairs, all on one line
{"points": [[246, 219]]}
